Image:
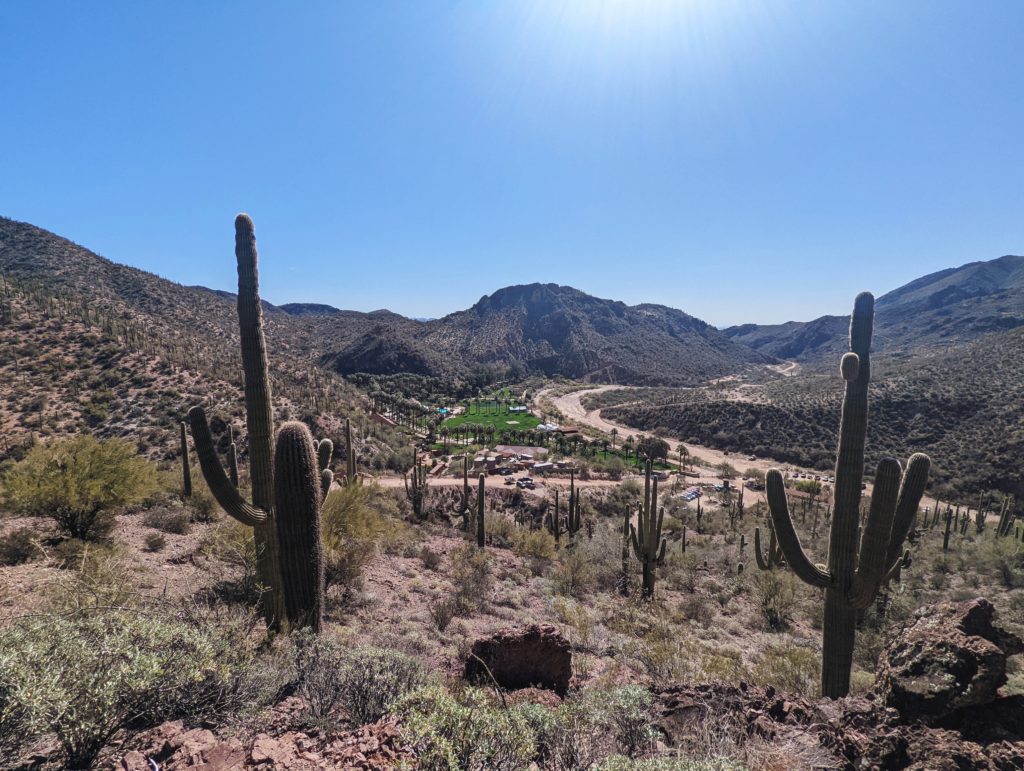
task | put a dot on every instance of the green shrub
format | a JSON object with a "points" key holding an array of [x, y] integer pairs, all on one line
{"points": [[84, 677], [155, 542], [466, 734], [355, 522], [364, 682], [574, 574], [471, 574], [79, 483], [792, 668], [176, 521], [18, 546], [775, 592], [619, 763], [534, 544]]}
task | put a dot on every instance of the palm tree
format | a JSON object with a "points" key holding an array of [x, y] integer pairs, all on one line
{"points": [[614, 433]]}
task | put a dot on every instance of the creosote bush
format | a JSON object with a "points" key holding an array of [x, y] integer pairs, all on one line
{"points": [[18, 546], [362, 683], [79, 483], [98, 659]]}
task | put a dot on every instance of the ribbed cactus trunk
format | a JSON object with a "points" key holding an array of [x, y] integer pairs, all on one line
{"points": [[840, 617], [297, 514], [186, 466], [480, 531], [259, 415], [232, 458]]}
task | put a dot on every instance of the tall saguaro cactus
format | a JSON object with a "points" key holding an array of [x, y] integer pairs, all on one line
{"points": [[416, 487], [855, 571], [645, 536], [186, 466], [480, 531], [292, 484]]}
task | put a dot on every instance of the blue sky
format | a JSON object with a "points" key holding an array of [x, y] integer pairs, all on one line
{"points": [[744, 161]]}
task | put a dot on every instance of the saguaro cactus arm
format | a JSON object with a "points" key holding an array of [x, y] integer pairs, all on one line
{"points": [[789, 542], [220, 486], [876, 535], [915, 479]]}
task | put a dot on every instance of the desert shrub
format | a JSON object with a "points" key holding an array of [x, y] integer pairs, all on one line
{"points": [[626, 713], [355, 522], [792, 668], [573, 574], [19, 546], [534, 544], [85, 676], [620, 763], [363, 682], [502, 531], [442, 610], [176, 521], [201, 503], [465, 734], [431, 559], [775, 592], [471, 574], [1004, 558], [155, 542], [79, 483], [697, 607], [232, 544]]}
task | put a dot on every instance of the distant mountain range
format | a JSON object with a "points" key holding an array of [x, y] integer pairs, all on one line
{"points": [[950, 307], [534, 328]]}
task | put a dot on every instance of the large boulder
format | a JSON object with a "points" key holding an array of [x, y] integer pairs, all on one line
{"points": [[537, 656], [951, 657]]}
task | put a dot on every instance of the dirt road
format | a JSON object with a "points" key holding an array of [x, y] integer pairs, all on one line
{"points": [[571, 407]]}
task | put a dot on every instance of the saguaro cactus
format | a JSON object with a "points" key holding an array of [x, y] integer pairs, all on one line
{"points": [[416, 488], [232, 457], [186, 467], [853, 575], [648, 545], [480, 532], [466, 500], [261, 513], [772, 558], [351, 472], [298, 494]]}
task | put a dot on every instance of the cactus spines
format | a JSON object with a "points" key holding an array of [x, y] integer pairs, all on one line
{"points": [[480, 532], [416, 488], [297, 498], [855, 571], [645, 536], [186, 467], [324, 453]]}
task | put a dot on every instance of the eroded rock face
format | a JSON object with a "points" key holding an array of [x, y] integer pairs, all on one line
{"points": [[951, 657], [535, 656]]}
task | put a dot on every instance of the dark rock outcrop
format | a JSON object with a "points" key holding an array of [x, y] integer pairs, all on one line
{"points": [[536, 656], [951, 657]]}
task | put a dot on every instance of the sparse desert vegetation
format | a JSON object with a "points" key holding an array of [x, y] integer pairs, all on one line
{"points": [[321, 601]]}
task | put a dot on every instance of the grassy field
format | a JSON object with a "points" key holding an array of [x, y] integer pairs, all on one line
{"points": [[502, 421]]}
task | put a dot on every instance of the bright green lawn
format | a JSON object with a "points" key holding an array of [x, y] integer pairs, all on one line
{"points": [[504, 421]]}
